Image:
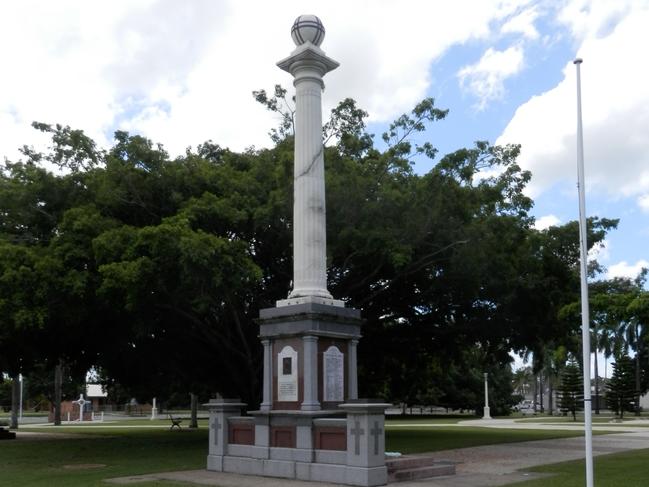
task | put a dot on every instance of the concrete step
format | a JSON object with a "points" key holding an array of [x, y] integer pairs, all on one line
{"points": [[409, 461], [413, 467], [422, 472]]}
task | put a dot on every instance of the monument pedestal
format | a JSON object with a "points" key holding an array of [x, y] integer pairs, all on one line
{"points": [[486, 413], [310, 425], [309, 356], [345, 446]]}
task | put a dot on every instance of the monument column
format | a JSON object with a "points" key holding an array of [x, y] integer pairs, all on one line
{"points": [[308, 64], [267, 393], [310, 345], [352, 379]]}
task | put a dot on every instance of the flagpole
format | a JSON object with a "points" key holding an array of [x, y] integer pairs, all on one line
{"points": [[583, 255]]}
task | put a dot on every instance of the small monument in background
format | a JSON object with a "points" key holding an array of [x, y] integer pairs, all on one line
{"points": [[486, 413], [81, 402], [310, 425]]}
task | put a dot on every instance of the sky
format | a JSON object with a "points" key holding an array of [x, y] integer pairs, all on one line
{"points": [[182, 72]]}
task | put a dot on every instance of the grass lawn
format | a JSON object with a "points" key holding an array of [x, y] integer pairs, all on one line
{"points": [[4, 415], [100, 454], [430, 419], [133, 447], [418, 440], [567, 419], [628, 469]]}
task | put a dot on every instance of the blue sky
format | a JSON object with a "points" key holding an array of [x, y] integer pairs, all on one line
{"points": [[183, 72]]}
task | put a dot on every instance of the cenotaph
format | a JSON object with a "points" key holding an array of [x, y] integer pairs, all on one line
{"points": [[310, 424]]}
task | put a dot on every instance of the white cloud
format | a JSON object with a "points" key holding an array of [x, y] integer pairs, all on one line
{"points": [[523, 23], [601, 252], [546, 221], [183, 72], [615, 98], [485, 79], [643, 202], [594, 18], [624, 269]]}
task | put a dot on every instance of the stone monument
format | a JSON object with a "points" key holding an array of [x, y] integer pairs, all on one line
{"points": [[81, 402], [310, 424], [486, 413]]}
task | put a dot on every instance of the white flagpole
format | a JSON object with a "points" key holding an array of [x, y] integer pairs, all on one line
{"points": [[585, 318], [20, 407]]}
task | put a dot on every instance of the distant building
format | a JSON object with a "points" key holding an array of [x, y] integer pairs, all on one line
{"points": [[97, 397]]}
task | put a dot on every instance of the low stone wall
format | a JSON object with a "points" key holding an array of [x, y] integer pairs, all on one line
{"points": [[345, 446]]}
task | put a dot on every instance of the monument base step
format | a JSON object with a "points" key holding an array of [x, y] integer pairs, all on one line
{"points": [[417, 467]]}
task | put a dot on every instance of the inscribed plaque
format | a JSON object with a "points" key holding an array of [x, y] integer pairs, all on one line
{"points": [[287, 374], [333, 369]]}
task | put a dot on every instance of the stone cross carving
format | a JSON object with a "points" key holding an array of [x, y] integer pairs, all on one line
{"points": [[357, 432], [216, 426], [375, 432], [81, 402]]}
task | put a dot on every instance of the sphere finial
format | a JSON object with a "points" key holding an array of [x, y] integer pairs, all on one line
{"points": [[307, 28]]}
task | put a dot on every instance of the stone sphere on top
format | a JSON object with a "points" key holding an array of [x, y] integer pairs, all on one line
{"points": [[307, 28]]}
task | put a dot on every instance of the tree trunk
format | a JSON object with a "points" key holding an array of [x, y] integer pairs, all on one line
{"points": [[541, 392], [15, 400], [596, 381], [536, 390], [637, 381], [193, 423], [550, 395], [58, 384]]}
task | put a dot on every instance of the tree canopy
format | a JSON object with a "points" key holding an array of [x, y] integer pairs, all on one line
{"points": [[152, 269]]}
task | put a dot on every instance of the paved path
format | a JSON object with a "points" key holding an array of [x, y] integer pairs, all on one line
{"points": [[494, 465], [482, 466]]}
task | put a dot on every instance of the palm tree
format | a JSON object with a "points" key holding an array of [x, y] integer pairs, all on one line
{"points": [[613, 330], [554, 364], [522, 380]]}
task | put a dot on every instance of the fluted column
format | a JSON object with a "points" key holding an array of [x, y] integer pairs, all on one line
{"points": [[267, 400], [308, 64], [309, 213], [310, 401]]}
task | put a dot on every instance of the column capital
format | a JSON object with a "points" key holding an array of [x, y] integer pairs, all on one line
{"points": [[310, 338], [305, 58]]}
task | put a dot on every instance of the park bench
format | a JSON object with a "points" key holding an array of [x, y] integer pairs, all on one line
{"points": [[175, 422]]}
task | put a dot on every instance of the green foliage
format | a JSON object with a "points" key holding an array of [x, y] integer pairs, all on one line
{"points": [[5, 394], [153, 269], [278, 104], [71, 149], [398, 136], [621, 393], [571, 392]]}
